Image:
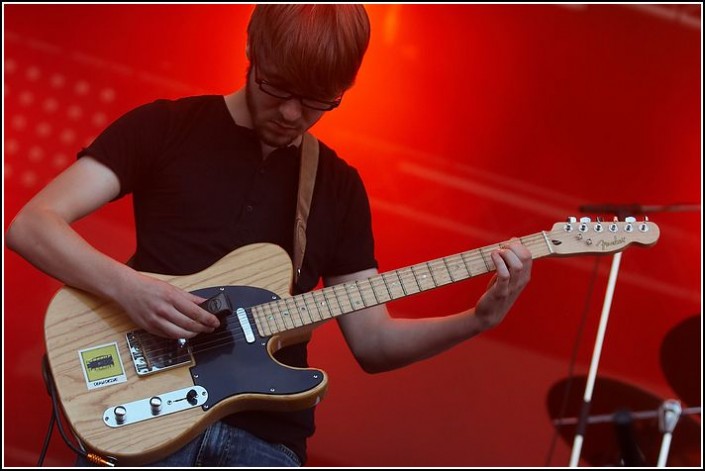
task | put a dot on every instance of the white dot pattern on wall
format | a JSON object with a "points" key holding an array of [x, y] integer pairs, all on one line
{"points": [[49, 118]]}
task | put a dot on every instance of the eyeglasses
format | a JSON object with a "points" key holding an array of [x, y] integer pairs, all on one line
{"points": [[273, 90]]}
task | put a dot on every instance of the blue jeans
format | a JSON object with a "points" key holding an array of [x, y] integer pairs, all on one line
{"points": [[224, 445]]}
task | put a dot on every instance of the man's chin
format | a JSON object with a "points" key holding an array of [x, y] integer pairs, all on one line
{"points": [[276, 140]]}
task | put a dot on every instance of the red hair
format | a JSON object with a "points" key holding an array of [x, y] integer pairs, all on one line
{"points": [[317, 49]]}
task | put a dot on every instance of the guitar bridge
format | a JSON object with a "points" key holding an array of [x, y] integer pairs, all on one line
{"points": [[151, 354]]}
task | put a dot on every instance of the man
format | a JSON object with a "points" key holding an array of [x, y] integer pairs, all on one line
{"points": [[210, 174]]}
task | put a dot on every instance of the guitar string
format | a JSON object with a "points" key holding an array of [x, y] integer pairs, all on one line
{"points": [[234, 334], [365, 289]]}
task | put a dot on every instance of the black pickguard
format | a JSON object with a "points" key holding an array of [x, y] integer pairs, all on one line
{"points": [[226, 365]]}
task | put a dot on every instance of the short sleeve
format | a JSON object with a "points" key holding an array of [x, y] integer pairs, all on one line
{"points": [[131, 144], [354, 240]]}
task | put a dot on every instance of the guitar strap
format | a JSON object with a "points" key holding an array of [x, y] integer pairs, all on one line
{"points": [[307, 179]]}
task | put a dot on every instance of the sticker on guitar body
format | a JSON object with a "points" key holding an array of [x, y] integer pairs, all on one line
{"points": [[102, 366]]}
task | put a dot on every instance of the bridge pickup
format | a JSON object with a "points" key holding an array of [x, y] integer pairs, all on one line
{"points": [[155, 406], [151, 354]]}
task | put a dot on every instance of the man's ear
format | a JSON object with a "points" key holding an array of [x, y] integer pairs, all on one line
{"points": [[247, 51]]}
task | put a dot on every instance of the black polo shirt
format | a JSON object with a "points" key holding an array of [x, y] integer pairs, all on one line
{"points": [[201, 189]]}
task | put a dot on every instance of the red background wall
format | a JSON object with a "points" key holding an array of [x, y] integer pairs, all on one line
{"points": [[470, 124]]}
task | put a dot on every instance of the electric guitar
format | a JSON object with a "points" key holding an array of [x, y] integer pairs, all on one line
{"points": [[135, 397]]}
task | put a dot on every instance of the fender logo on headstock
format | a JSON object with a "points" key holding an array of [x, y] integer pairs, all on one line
{"points": [[607, 245]]}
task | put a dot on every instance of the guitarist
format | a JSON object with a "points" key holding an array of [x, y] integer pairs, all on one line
{"points": [[209, 174]]}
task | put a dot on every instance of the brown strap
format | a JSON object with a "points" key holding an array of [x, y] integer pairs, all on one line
{"points": [[307, 179]]}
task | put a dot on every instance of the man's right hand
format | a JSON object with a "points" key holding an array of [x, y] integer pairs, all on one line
{"points": [[165, 310]]}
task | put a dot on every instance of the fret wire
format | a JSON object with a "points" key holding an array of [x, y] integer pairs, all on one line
{"points": [[307, 307], [366, 289], [282, 308], [320, 301], [360, 291], [466, 262], [288, 315], [354, 304], [401, 285], [416, 280], [431, 270], [340, 308], [276, 315], [386, 286], [380, 284], [405, 271], [259, 321], [414, 269], [315, 305], [338, 288], [450, 274], [275, 327], [458, 263], [442, 273], [424, 276], [484, 259], [447, 276], [308, 298], [302, 309], [281, 303], [374, 291]]}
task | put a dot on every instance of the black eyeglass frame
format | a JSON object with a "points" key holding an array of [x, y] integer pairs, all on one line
{"points": [[273, 90]]}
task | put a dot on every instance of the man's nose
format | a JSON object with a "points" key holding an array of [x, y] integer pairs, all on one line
{"points": [[291, 109]]}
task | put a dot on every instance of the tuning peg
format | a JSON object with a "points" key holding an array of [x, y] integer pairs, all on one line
{"points": [[630, 220], [584, 224], [568, 227]]}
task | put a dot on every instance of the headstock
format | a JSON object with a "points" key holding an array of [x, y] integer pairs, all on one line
{"points": [[585, 236]]}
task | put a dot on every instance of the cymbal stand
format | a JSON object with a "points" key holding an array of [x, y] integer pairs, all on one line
{"points": [[669, 413], [597, 350]]}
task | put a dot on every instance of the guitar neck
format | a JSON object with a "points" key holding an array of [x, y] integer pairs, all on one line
{"points": [[320, 305]]}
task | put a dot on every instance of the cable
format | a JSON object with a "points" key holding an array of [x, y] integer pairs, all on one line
{"points": [[47, 439], [56, 418]]}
